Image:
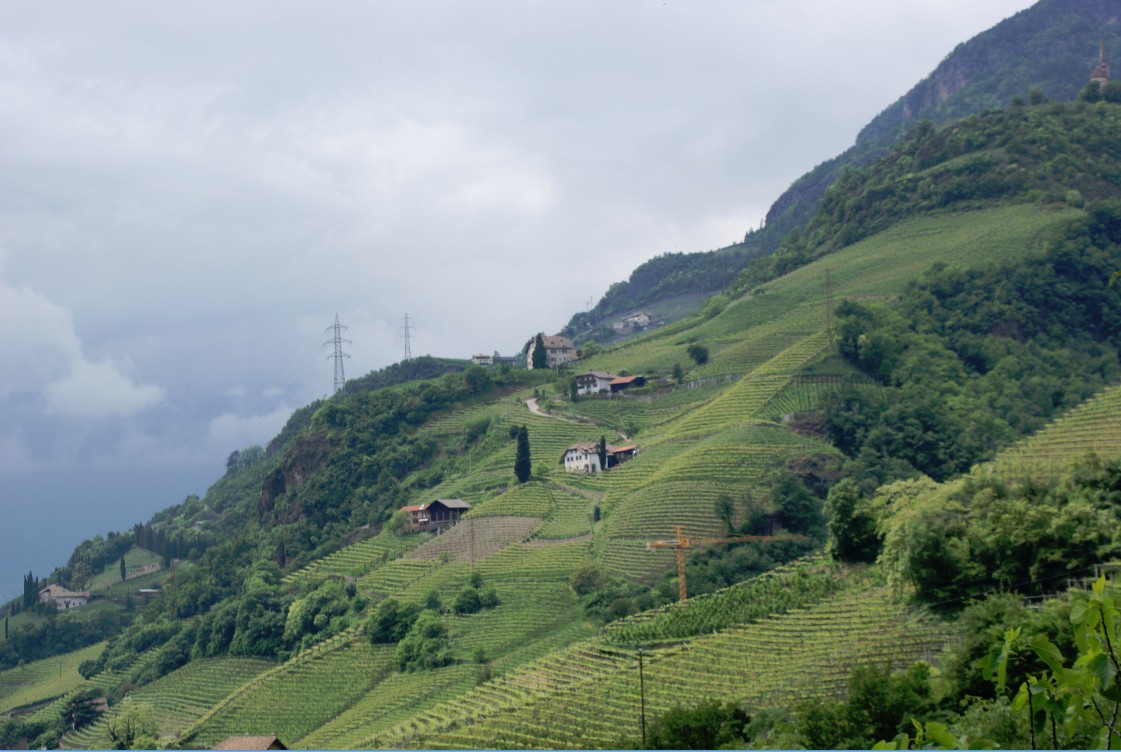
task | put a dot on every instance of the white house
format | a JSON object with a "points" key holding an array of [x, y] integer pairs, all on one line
{"points": [[594, 382], [482, 359], [582, 457], [63, 598]]}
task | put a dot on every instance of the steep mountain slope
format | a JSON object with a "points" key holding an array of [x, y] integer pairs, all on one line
{"points": [[1052, 47], [306, 554]]}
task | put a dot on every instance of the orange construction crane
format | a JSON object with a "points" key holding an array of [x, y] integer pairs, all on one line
{"points": [[682, 542]]}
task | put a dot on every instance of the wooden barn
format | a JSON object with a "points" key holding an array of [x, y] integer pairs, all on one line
{"points": [[436, 514]]}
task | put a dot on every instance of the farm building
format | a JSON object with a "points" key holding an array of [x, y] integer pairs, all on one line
{"points": [[558, 351], [619, 383], [481, 359], [63, 598], [634, 322], [594, 382], [439, 513], [583, 456]]}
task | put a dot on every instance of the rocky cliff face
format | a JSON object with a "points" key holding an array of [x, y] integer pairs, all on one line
{"points": [[1051, 46]]}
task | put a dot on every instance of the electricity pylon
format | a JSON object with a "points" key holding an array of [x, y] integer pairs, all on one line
{"points": [[338, 356]]}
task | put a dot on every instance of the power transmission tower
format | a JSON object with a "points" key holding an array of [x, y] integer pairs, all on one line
{"points": [[337, 340], [407, 336]]}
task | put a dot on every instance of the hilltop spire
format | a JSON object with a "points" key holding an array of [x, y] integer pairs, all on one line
{"points": [[1100, 76]]}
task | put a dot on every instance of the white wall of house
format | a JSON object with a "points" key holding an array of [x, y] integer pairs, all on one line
{"points": [[581, 461], [591, 383]]}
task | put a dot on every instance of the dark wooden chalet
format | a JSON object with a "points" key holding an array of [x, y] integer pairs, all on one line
{"points": [[619, 383], [436, 514]]}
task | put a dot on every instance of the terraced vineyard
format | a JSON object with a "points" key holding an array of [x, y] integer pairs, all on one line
{"points": [[43, 680], [745, 399], [395, 576], [1091, 428], [683, 492], [357, 559], [476, 538], [299, 696], [180, 698], [775, 592], [399, 699], [801, 394], [523, 500], [588, 695], [570, 515]]}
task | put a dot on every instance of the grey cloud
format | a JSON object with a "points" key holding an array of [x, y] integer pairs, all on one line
{"points": [[195, 190]]}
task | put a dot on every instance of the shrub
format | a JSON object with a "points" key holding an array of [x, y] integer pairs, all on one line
{"points": [[698, 353]]}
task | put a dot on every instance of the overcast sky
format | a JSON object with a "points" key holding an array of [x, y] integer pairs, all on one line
{"points": [[190, 192]]}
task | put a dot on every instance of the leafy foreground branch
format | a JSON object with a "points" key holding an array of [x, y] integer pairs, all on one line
{"points": [[1075, 706]]}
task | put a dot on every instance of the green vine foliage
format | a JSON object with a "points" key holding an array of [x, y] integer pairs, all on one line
{"points": [[1075, 706], [1065, 703]]}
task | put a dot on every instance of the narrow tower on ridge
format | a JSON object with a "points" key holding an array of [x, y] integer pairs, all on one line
{"points": [[1100, 76], [407, 335], [338, 356]]}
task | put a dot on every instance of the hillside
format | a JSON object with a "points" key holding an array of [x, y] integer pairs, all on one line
{"points": [[1050, 47], [296, 599]]}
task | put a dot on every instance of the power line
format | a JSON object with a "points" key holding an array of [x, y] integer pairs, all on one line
{"points": [[338, 355]]}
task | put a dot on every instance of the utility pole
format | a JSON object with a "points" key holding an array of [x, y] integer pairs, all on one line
{"points": [[642, 698], [407, 336], [338, 356], [829, 304]]}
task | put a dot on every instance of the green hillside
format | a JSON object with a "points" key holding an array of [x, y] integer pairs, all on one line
{"points": [[912, 343]]}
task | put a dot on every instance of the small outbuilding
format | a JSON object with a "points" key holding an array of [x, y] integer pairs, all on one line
{"points": [[436, 514], [619, 383]]}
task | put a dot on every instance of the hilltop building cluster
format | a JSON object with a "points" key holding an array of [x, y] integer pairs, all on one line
{"points": [[560, 350]]}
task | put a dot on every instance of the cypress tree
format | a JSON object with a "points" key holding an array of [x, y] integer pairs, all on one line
{"points": [[602, 451], [522, 466], [123, 569], [30, 590], [539, 356]]}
